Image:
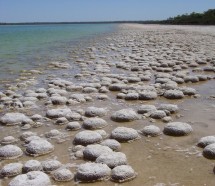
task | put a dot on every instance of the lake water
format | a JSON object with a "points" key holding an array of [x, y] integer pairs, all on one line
{"points": [[23, 47]]}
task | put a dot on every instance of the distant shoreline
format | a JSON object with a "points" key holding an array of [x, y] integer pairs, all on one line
{"points": [[91, 22]]}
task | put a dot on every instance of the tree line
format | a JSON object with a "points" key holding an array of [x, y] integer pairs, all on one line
{"points": [[205, 18]]}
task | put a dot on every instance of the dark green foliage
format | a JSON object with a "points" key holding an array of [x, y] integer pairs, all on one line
{"points": [[206, 18]]}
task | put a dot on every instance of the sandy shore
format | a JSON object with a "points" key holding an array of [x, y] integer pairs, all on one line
{"points": [[115, 87]]}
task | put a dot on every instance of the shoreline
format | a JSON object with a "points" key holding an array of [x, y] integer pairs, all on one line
{"points": [[111, 73]]}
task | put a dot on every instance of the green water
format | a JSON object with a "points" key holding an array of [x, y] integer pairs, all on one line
{"points": [[24, 46]]}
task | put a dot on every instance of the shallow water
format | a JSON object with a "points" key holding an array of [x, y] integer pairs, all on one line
{"points": [[24, 47]]}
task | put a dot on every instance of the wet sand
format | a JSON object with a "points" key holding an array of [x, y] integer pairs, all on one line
{"points": [[159, 161]]}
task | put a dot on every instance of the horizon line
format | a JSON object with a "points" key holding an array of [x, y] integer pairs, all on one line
{"points": [[77, 22]]}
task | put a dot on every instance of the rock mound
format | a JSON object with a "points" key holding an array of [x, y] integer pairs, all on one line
{"points": [[124, 115], [177, 129], [90, 172]]}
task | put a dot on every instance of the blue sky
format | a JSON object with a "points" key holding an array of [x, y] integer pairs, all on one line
{"points": [[97, 10]]}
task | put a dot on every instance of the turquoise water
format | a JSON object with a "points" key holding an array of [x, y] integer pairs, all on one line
{"points": [[24, 46]]}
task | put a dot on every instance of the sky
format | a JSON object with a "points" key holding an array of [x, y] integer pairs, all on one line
{"points": [[97, 10]]}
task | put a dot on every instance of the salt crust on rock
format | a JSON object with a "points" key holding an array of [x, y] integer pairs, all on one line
{"points": [[123, 173], [87, 137], [39, 147], [177, 129], [34, 178], [124, 134], [151, 130], [10, 152], [62, 175], [112, 159], [124, 115], [11, 169], [32, 165], [51, 165], [94, 111], [91, 172], [207, 140], [112, 143], [15, 119], [94, 123], [209, 151], [91, 152]]}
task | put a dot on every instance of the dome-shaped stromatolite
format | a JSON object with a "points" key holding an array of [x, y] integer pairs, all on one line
{"points": [[124, 134], [124, 115], [34, 178], [158, 114], [73, 126], [207, 140], [209, 151], [91, 152], [11, 169], [94, 123], [123, 173], [87, 137], [62, 175], [112, 143], [15, 119], [95, 111], [177, 129], [147, 95], [151, 130], [146, 108], [8, 140], [112, 159], [39, 147], [57, 113], [170, 107], [173, 94], [32, 165], [10, 152], [90, 172], [51, 165]]}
